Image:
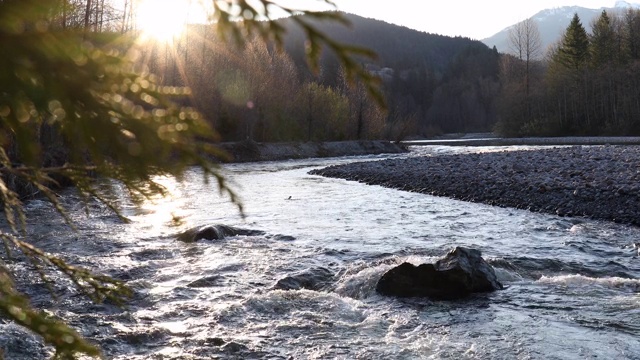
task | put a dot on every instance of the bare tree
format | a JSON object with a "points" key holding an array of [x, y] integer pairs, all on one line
{"points": [[64, 5], [366, 118], [126, 15], [87, 15], [525, 42]]}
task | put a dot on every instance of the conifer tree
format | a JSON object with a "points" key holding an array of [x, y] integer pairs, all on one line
{"points": [[567, 76], [632, 33], [603, 42], [573, 52]]}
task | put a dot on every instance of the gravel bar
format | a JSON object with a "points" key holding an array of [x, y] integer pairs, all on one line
{"points": [[599, 182]]}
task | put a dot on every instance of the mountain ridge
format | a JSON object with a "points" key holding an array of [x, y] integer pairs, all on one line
{"points": [[390, 41], [553, 21]]}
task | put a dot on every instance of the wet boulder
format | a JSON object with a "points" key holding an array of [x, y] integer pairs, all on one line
{"points": [[461, 272], [18, 343], [215, 232], [311, 279]]}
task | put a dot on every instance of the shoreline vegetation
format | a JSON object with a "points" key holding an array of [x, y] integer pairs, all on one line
{"points": [[251, 151]]}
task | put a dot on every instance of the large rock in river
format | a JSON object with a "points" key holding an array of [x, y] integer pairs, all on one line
{"points": [[215, 232], [461, 272]]}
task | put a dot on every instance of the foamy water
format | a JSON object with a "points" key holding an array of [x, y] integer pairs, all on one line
{"points": [[571, 284]]}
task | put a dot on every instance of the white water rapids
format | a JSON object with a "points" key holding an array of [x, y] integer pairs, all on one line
{"points": [[572, 288]]}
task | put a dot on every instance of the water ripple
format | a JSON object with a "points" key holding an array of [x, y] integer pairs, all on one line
{"points": [[571, 284]]}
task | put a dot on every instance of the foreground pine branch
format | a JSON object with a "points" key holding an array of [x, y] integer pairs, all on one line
{"points": [[78, 107]]}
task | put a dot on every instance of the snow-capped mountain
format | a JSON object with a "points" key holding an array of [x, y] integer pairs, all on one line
{"points": [[553, 22], [626, 4]]}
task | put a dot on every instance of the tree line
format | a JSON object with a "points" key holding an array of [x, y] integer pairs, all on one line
{"points": [[587, 84], [432, 84], [256, 92], [92, 15]]}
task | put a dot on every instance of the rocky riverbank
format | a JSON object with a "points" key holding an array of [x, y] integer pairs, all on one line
{"points": [[250, 151], [599, 182]]}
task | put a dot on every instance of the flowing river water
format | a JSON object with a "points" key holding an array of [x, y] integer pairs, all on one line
{"points": [[571, 284]]}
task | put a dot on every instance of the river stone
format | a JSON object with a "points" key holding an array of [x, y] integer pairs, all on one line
{"points": [[310, 279], [215, 232], [233, 347], [461, 272], [18, 343], [204, 282]]}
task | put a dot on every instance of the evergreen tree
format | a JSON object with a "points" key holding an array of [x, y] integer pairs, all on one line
{"points": [[567, 78], [573, 52], [603, 42], [632, 33]]}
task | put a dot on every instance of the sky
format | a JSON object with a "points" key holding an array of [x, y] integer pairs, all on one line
{"points": [[475, 19], [469, 18]]}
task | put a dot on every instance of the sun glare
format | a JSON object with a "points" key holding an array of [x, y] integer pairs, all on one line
{"points": [[163, 20]]}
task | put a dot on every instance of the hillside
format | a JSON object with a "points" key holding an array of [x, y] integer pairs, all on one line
{"points": [[395, 45], [444, 83]]}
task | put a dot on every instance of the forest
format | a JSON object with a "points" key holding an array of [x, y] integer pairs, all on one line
{"points": [[432, 84], [587, 84]]}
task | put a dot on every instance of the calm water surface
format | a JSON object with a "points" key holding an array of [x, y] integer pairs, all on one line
{"points": [[571, 284]]}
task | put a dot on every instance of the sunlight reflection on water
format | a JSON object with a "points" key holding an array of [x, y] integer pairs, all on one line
{"points": [[363, 222], [567, 295]]}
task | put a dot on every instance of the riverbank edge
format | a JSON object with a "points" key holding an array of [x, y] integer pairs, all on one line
{"points": [[597, 182], [528, 141], [251, 151]]}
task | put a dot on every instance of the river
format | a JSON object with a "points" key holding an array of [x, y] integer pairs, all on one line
{"points": [[571, 284]]}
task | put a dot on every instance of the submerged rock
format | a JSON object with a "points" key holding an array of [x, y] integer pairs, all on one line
{"points": [[311, 279], [208, 281], [233, 347], [18, 343], [215, 232], [461, 272]]}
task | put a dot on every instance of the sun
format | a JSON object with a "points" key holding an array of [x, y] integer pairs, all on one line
{"points": [[163, 20]]}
